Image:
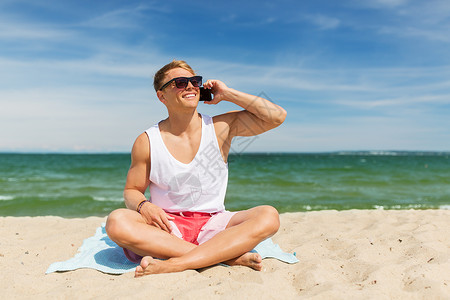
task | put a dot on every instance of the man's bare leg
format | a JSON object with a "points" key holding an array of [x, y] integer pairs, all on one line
{"points": [[246, 229], [128, 230]]}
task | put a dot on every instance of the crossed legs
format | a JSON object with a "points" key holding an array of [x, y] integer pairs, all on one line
{"points": [[244, 231]]}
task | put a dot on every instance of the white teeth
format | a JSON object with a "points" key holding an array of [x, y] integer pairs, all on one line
{"points": [[189, 96]]}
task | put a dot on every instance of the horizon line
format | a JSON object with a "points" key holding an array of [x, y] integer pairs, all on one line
{"points": [[379, 152]]}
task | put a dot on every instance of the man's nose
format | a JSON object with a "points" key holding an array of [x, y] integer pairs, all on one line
{"points": [[189, 85]]}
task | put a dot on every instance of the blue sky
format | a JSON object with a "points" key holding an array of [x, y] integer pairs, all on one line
{"points": [[76, 76]]}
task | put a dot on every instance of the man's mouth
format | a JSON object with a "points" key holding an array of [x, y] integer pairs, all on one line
{"points": [[190, 96]]}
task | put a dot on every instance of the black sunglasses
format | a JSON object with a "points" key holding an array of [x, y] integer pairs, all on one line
{"points": [[182, 82]]}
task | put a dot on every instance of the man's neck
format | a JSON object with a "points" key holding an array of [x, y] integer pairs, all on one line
{"points": [[183, 123]]}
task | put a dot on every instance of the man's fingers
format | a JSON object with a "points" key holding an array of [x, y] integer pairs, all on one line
{"points": [[163, 223], [167, 224]]}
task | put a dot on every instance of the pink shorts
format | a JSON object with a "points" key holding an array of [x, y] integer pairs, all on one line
{"points": [[193, 227]]}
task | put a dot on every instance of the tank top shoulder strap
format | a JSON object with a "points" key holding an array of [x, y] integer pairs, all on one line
{"points": [[209, 132], [154, 137], [158, 154]]}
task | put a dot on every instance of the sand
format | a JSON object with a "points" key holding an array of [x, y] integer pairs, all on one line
{"points": [[355, 254]]}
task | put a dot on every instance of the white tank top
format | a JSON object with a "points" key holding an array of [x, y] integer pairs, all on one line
{"points": [[198, 186]]}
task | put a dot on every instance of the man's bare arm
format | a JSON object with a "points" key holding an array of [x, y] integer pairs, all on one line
{"points": [[138, 174], [259, 114], [138, 181]]}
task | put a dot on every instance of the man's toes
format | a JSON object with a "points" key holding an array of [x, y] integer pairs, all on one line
{"points": [[138, 272]]}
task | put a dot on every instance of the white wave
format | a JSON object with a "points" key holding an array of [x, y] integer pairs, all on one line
{"points": [[6, 198], [390, 153], [115, 199], [409, 206]]}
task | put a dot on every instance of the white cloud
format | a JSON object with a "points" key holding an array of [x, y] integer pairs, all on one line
{"points": [[410, 19], [323, 22], [426, 84], [18, 30], [385, 3], [431, 34], [98, 106], [123, 18], [403, 101], [353, 133], [95, 119]]}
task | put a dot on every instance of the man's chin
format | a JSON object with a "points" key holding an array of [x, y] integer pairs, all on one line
{"points": [[190, 102]]}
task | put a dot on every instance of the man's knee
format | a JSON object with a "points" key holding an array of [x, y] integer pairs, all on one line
{"points": [[269, 220], [116, 225]]}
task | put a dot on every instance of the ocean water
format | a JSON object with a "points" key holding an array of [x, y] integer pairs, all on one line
{"points": [[80, 185]]}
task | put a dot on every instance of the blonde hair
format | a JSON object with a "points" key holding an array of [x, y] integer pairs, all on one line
{"points": [[159, 76]]}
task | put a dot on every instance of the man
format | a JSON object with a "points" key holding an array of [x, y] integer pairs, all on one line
{"points": [[182, 159]]}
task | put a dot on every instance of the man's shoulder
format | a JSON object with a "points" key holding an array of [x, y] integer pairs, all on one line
{"points": [[142, 137], [141, 147]]}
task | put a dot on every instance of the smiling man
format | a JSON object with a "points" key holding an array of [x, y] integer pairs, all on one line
{"points": [[183, 161]]}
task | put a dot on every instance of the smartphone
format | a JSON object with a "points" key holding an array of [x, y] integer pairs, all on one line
{"points": [[205, 94]]}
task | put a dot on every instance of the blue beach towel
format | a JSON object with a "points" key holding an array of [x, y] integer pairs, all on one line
{"points": [[100, 253]]}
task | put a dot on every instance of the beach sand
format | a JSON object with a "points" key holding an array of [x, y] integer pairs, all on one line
{"points": [[355, 254]]}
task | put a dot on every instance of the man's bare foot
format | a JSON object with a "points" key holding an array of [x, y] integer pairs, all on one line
{"points": [[250, 259], [148, 266]]}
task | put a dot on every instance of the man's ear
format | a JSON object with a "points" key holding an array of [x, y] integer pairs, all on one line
{"points": [[161, 97]]}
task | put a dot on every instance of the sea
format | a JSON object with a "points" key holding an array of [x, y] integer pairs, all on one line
{"points": [[81, 185]]}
